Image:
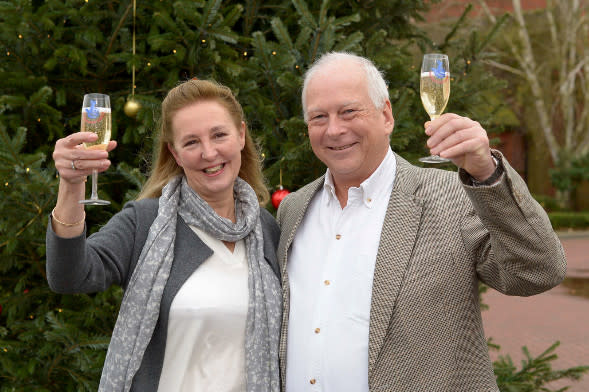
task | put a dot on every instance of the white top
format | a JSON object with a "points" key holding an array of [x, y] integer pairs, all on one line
{"points": [[330, 270], [206, 329]]}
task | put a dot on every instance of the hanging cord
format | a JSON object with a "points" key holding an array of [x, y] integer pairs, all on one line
{"points": [[133, 65]]}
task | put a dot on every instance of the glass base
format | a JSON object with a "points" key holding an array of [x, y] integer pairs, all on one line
{"points": [[434, 159], [94, 202]]}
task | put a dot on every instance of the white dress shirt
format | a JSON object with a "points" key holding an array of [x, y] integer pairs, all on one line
{"points": [[205, 346], [330, 269]]}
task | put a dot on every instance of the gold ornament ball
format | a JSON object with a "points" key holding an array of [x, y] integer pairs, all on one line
{"points": [[132, 108]]}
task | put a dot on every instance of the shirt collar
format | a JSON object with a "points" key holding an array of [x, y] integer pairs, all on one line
{"points": [[370, 189]]}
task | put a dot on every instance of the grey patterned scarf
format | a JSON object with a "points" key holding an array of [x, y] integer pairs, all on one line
{"points": [[141, 302]]}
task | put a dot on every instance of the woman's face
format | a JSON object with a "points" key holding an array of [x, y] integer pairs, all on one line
{"points": [[207, 145]]}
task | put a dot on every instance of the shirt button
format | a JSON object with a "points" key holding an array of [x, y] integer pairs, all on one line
{"points": [[312, 381], [338, 236], [326, 282], [369, 200], [317, 330]]}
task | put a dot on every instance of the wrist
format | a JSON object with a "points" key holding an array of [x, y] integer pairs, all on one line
{"points": [[491, 178], [67, 224]]}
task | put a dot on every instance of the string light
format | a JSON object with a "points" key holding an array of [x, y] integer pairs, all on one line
{"points": [[148, 64], [244, 54], [39, 119], [273, 53], [20, 36], [28, 170], [8, 53], [5, 184], [174, 51], [203, 41]]}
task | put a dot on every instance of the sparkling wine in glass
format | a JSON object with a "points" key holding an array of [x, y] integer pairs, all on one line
{"points": [[434, 89], [96, 117]]}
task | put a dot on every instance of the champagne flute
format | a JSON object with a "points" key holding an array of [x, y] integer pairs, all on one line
{"points": [[96, 117], [434, 89]]}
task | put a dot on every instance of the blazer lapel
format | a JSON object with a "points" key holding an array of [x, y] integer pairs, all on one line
{"points": [[289, 223], [397, 239], [289, 220]]}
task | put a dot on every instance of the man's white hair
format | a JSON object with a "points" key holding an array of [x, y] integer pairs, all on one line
{"points": [[377, 87]]}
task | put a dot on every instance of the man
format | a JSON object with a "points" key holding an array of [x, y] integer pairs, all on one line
{"points": [[381, 260]]}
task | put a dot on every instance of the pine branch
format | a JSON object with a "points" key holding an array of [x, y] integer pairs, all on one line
{"points": [[281, 33], [115, 33], [210, 12], [306, 16]]}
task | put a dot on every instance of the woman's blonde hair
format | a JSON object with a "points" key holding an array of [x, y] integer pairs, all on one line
{"points": [[185, 94]]}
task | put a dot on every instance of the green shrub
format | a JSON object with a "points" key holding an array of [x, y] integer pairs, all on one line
{"points": [[569, 219]]}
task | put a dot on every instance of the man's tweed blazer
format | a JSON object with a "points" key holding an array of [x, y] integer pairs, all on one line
{"points": [[440, 237]]}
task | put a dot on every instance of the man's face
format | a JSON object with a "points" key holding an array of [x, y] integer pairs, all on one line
{"points": [[347, 132]]}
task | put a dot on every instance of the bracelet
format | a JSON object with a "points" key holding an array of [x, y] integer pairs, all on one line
{"points": [[67, 224]]}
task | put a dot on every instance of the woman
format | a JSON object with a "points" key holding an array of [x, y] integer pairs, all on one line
{"points": [[195, 253]]}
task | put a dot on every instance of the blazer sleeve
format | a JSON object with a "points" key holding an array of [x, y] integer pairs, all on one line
{"points": [[271, 237], [85, 265], [517, 250]]}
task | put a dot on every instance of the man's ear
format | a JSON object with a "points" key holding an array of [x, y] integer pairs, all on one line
{"points": [[389, 119]]}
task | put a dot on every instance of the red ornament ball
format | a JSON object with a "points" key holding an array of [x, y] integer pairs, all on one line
{"points": [[279, 195]]}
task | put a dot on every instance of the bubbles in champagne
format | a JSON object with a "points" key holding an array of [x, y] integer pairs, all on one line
{"points": [[99, 124], [434, 93]]}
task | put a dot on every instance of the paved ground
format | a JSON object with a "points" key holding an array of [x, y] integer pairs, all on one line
{"points": [[536, 322]]}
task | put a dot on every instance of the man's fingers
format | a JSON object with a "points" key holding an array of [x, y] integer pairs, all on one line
{"points": [[455, 138]]}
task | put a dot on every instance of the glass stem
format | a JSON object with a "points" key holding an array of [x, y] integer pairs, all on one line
{"points": [[94, 195]]}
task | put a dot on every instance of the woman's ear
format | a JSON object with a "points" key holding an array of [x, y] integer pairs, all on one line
{"points": [[242, 135], [173, 152]]}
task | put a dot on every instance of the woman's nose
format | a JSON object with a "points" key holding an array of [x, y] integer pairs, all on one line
{"points": [[209, 152]]}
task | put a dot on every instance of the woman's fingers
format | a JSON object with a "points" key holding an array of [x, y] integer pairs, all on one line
{"points": [[74, 162]]}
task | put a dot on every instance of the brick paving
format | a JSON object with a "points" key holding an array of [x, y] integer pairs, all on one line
{"points": [[538, 321]]}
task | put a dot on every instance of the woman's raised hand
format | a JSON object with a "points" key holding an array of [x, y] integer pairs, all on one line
{"points": [[74, 163]]}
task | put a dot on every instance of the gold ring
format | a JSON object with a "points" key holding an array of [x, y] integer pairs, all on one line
{"points": [[74, 166]]}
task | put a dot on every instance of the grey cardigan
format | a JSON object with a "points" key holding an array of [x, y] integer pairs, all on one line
{"points": [[109, 256]]}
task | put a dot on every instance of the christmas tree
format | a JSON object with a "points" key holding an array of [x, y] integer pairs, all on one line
{"points": [[55, 51]]}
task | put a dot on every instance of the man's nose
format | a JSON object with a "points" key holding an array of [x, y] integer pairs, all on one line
{"points": [[335, 126]]}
